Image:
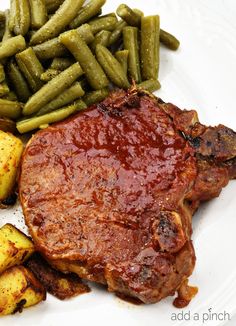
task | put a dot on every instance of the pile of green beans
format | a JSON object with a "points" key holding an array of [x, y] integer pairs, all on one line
{"points": [[58, 57]]}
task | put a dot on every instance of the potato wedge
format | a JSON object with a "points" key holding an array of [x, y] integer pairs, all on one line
{"points": [[19, 289], [11, 149], [15, 247]]}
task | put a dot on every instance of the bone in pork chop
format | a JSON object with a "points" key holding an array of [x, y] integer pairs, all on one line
{"points": [[109, 194]]}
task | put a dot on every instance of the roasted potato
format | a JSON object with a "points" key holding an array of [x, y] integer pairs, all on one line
{"points": [[7, 125], [19, 289], [15, 247], [10, 153]]}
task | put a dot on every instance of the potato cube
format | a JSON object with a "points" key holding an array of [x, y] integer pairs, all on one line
{"points": [[15, 247], [11, 149], [19, 289]]}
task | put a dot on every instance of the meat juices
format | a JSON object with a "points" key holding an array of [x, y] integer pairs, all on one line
{"points": [[109, 193]]}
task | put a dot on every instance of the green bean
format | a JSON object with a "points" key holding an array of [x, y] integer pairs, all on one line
{"points": [[11, 96], [82, 53], [31, 68], [2, 73], [12, 46], [18, 82], [55, 116], [49, 74], [10, 109], [2, 25], [50, 49], [7, 33], [110, 14], [53, 5], [150, 43], [95, 96], [86, 33], [112, 67], [38, 13], [2, 31], [44, 126], [122, 57], [130, 38], [87, 12], [106, 23], [99, 13], [169, 40], [80, 105], [52, 89], [117, 33], [128, 15], [2, 17], [139, 13], [12, 15], [61, 63], [101, 38], [68, 96], [150, 85], [4, 89], [22, 17], [64, 15], [53, 48]]}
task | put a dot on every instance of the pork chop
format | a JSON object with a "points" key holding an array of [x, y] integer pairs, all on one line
{"points": [[109, 194]]}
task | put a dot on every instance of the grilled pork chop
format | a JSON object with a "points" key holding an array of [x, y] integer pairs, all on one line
{"points": [[109, 194]]}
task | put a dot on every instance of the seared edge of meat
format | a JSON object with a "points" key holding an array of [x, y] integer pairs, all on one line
{"points": [[62, 286]]}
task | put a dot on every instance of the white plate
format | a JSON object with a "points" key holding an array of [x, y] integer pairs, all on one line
{"points": [[200, 75]]}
